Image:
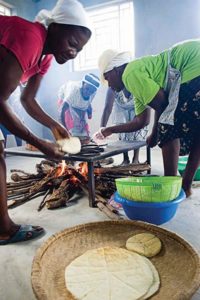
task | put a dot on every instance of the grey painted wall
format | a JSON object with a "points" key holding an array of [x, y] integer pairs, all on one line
{"points": [[158, 25], [50, 3], [166, 23], [24, 8]]}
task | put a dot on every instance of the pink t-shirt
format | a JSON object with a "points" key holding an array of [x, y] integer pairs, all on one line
{"points": [[26, 41]]}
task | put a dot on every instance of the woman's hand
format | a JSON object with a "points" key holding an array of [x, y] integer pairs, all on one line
{"points": [[152, 140], [102, 133], [99, 135], [59, 131], [50, 149]]}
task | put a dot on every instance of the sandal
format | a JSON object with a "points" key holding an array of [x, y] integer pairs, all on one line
{"points": [[25, 232]]}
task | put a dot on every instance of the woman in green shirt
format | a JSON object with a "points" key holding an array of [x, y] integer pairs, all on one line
{"points": [[169, 83]]}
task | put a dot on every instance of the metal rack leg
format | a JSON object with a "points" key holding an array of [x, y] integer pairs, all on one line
{"points": [[91, 184], [148, 158]]}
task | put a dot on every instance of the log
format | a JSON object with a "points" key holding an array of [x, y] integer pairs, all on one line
{"points": [[101, 199], [42, 203], [40, 184], [60, 196], [121, 169], [105, 202], [20, 184], [56, 204], [20, 171], [16, 177], [16, 202], [14, 192], [59, 192]]}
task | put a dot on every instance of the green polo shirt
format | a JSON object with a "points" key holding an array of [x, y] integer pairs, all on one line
{"points": [[145, 76]]}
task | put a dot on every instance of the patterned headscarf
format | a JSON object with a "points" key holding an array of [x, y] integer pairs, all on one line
{"points": [[92, 80]]}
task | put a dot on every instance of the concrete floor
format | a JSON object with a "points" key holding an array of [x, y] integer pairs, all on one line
{"points": [[16, 259]]}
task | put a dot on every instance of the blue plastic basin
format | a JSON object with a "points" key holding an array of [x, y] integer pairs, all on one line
{"points": [[151, 212]]}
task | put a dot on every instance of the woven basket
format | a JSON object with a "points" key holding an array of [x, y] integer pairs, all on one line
{"points": [[178, 264]]}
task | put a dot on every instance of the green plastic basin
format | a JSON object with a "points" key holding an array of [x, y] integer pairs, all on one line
{"points": [[149, 189]]}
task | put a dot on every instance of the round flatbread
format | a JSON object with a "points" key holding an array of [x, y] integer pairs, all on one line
{"points": [[156, 282], [111, 273], [72, 145], [146, 244]]}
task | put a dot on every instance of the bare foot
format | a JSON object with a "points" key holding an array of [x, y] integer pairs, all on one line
{"points": [[187, 189], [188, 193]]}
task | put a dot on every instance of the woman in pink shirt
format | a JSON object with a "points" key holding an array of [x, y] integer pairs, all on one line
{"points": [[26, 51]]}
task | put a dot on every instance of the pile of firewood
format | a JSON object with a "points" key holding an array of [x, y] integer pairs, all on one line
{"points": [[59, 182]]}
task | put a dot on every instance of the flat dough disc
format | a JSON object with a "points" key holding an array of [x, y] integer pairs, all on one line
{"points": [[146, 244], [72, 145], [111, 273], [156, 282]]}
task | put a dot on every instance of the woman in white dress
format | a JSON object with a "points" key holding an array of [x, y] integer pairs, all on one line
{"points": [[122, 106], [74, 101]]}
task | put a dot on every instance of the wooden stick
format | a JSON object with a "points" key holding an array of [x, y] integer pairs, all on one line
{"points": [[14, 203], [21, 182], [20, 171], [12, 193], [121, 169], [42, 203], [107, 212]]}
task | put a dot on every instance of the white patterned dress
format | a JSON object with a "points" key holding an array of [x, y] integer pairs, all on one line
{"points": [[123, 112]]}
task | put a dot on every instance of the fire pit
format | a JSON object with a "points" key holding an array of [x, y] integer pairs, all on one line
{"points": [[112, 149]]}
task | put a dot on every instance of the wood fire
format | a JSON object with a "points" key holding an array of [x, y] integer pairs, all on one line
{"points": [[59, 182]]}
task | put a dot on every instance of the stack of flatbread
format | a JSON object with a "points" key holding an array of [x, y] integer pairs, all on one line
{"points": [[111, 273]]}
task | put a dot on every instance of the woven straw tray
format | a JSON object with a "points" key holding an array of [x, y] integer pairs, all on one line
{"points": [[178, 264]]}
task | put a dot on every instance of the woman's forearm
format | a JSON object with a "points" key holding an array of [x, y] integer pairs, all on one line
{"points": [[37, 113], [110, 98], [138, 123], [30, 104], [105, 117]]}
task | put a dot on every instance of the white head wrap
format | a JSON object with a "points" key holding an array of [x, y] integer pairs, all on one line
{"points": [[69, 12], [110, 59]]}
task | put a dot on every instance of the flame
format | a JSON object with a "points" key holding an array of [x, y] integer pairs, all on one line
{"points": [[61, 169], [83, 170], [74, 179]]}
